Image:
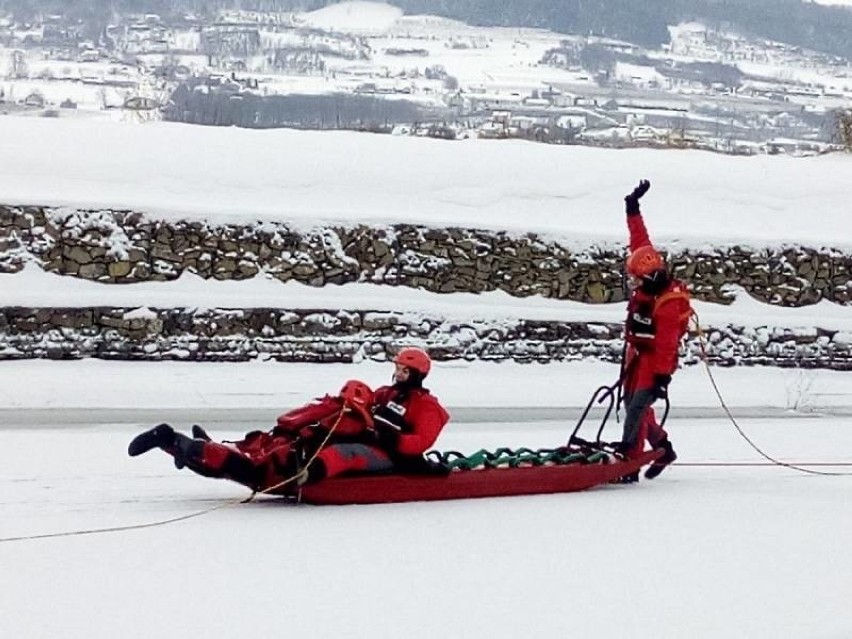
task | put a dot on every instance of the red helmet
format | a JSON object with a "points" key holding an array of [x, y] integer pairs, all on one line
{"points": [[359, 397], [414, 358], [644, 261]]}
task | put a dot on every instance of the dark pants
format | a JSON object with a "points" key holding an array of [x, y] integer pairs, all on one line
{"points": [[259, 461], [640, 423]]}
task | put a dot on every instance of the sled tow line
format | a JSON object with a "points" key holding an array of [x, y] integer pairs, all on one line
{"points": [[772, 461], [163, 522]]}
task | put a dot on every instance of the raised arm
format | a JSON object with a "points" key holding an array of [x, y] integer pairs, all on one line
{"points": [[635, 224]]}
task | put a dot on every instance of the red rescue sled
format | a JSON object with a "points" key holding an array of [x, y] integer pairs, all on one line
{"points": [[534, 479], [467, 484]]}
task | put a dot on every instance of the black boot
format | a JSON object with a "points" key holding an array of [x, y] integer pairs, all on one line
{"points": [[200, 433], [669, 455], [620, 448], [187, 451], [161, 436], [630, 478]]}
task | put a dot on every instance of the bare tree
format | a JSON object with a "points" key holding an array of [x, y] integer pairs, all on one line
{"points": [[843, 130]]}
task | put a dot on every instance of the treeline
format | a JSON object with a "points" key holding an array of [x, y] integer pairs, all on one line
{"points": [[794, 22], [216, 107], [810, 25]]}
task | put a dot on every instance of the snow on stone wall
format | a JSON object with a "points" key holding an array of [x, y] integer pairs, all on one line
{"points": [[116, 247], [124, 246], [333, 335]]}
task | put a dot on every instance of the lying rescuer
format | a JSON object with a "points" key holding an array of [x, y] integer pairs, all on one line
{"points": [[658, 313], [388, 430]]}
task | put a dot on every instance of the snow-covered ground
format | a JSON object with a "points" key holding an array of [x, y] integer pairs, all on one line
{"points": [[703, 551], [273, 387], [567, 192], [353, 17]]}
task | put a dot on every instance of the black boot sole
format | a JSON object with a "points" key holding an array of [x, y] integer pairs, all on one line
{"points": [[200, 433], [161, 436]]}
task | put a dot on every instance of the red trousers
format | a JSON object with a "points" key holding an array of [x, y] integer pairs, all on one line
{"points": [[342, 458]]}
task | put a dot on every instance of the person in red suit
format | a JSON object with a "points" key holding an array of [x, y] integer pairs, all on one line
{"points": [[356, 430], [407, 420], [658, 313], [262, 459]]}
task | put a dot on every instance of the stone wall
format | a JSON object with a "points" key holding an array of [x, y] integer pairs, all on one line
{"points": [[124, 246], [346, 336]]}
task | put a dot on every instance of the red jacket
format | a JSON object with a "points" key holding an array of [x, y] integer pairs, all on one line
{"points": [[424, 417], [324, 411], [669, 314], [638, 233]]}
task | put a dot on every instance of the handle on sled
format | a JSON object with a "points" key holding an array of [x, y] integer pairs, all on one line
{"points": [[665, 412], [602, 394]]}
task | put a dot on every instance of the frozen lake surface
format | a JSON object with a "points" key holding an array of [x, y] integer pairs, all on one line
{"points": [[703, 551]]}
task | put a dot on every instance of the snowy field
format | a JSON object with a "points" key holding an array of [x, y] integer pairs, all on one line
{"points": [[703, 551], [567, 192]]}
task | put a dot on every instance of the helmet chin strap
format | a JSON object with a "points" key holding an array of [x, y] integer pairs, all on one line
{"points": [[415, 380], [654, 283]]}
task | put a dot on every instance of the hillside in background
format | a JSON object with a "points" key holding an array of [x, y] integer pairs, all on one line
{"points": [[810, 25]]}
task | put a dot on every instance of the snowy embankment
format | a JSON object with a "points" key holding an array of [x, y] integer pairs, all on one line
{"points": [[716, 549], [569, 193], [310, 178]]}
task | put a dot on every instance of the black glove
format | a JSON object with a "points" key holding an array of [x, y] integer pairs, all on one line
{"points": [[391, 416], [386, 436], [632, 201], [619, 447], [660, 389]]}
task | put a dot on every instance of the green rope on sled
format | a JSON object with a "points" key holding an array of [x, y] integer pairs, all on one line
{"points": [[514, 458]]}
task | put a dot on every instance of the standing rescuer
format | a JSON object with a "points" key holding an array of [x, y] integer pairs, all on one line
{"points": [[658, 313]]}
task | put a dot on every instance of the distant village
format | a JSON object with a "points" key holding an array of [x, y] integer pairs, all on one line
{"points": [[706, 89]]}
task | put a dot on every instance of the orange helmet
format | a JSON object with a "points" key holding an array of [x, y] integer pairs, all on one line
{"points": [[359, 397], [414, 358], [644, 261]]}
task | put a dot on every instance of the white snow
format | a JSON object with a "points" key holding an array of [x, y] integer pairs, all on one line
{"points": [[354, 17], [34, 287], [568, 192], [643, 76], [701, 552], [37, 384]]}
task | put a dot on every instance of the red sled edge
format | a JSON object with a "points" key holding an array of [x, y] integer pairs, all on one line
{"points": [[470, 484]]}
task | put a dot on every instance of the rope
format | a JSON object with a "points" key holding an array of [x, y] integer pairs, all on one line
{"points": [[163, 522], [302, 472], [94, 531], [797, 467], [711, 464]]}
